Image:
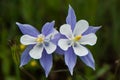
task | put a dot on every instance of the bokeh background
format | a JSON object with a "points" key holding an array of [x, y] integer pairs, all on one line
{"points": [[106, 52]]}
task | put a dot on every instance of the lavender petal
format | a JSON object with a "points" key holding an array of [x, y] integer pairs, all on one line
{"points": [[88, 60], [25, 57], [48, 28], [91, 29], [28, 29], [70, 59], [46, 62], [71, 18]]}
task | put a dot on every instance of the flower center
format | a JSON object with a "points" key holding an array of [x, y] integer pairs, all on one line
{"points": [[77, 38], [40, 39]]}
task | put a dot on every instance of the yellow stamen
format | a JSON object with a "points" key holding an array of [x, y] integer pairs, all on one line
{"points": [[22, 47], [40, 39], [77, 38], [33, 63]]}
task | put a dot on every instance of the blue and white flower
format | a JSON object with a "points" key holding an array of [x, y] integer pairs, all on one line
{"points": [[75, 35], [40, 45]]}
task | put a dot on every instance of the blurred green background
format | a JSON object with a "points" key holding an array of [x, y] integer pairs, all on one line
{"points": [[106, 52]]}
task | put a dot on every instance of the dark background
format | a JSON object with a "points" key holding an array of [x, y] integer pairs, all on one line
{"points": [[106, 52]]}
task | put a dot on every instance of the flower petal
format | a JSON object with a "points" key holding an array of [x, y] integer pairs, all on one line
{"points": [[26, 40], [70, 59], [56, 38], [71, 18], [46, 62], [48, 28], [88, 60], [52, 35], [50, 47], [91, 29], [36, 52], [64, 44], [88, 39], [28, 29], [25, 57], [80, 50], [59, 51], [80, 27], [66, 30]]}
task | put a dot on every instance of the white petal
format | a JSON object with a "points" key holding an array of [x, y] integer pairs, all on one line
{"points": [[50, 47], [64, 44], [51, 35], [66, 30], [80, 50], [36, 52], [80, 27], [26, 40], [88, 39]]}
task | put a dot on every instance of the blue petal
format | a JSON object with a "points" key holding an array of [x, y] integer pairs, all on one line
{"points": [[71, 18], [62, 36], [46, 62], [25, 57], [59, 51], [48, 28], [88, 60], [70, 59], [91, 30], [56, 38], [28, 29]]}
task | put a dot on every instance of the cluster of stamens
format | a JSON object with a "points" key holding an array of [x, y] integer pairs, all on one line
{"points": [[40, 39], [77, 38]]}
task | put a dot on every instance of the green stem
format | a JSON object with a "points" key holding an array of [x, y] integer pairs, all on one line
{"points": [[27, 73], [17, 72]]}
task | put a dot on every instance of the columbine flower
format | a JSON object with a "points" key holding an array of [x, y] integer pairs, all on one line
{"points": [[40, 45], [75, 35]]}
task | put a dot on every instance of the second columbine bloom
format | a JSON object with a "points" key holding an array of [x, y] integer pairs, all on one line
{"points": [[74, 37]]}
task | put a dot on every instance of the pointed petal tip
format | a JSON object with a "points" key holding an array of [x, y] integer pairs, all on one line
{"points": [[17, 23], [53, 21], [50, 22], [20, 65], [70, 6], [94, 68], [71, 72], [46, 75], [100, 27]]}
